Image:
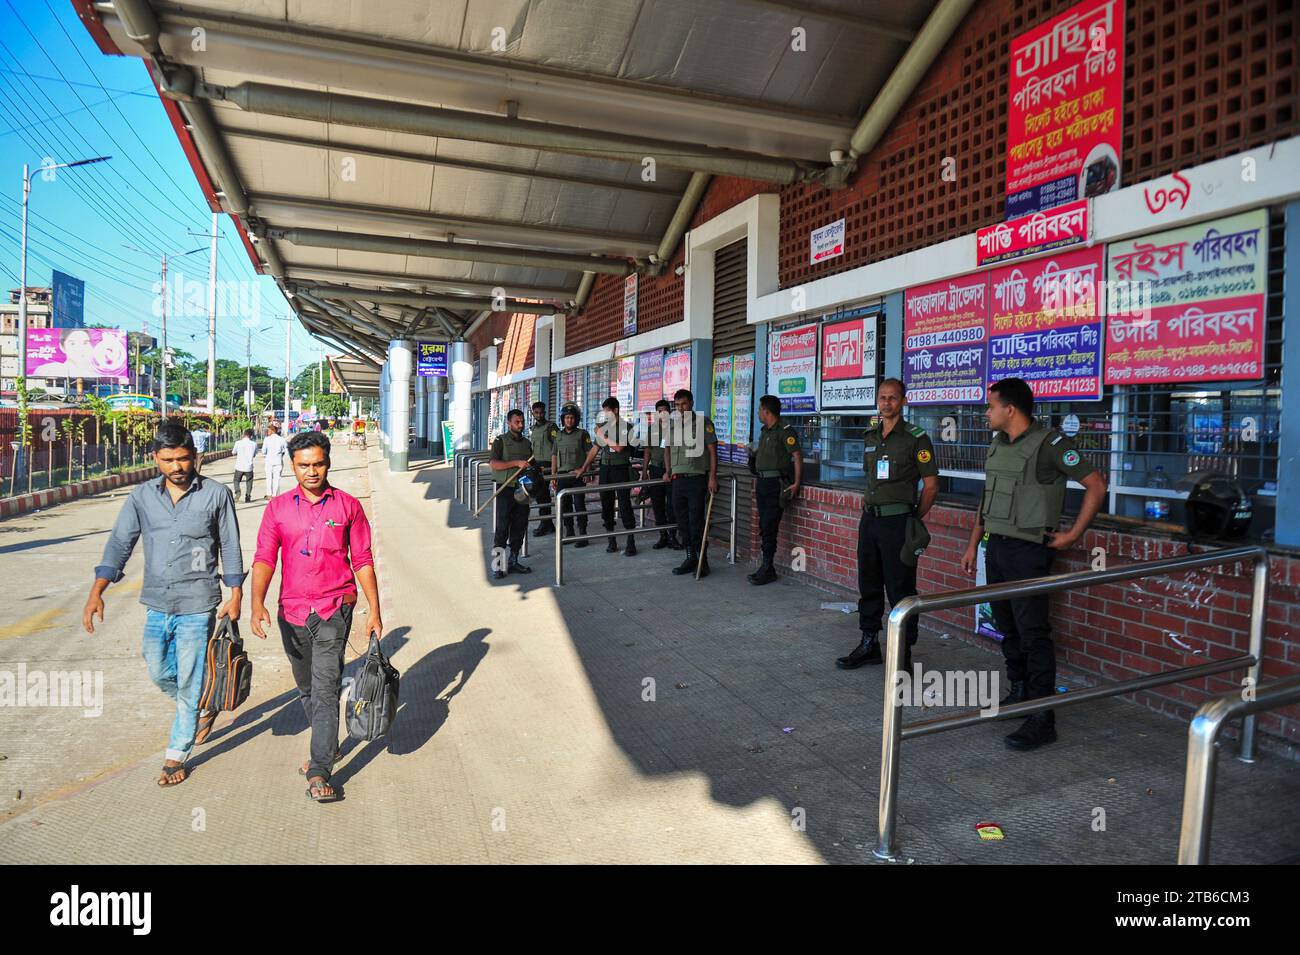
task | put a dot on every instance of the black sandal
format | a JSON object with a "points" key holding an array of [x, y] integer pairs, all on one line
{"points": [[169, 772], [316, 791], [338, 754]]}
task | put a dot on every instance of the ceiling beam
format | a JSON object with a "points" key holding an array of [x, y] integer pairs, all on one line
{"points": [[404, 280], [345, 293]]}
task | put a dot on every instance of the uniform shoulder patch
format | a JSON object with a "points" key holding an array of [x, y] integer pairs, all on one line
{"points": [[790, 440], [709, 428], [917, 431], [924, 456], [1070, 458], [1056, 439]]}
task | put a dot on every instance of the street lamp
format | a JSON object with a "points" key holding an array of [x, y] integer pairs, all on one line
{"points": [[22, 281]]}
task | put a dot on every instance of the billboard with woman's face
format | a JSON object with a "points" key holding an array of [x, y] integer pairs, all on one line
{"points": [[77, 353]]}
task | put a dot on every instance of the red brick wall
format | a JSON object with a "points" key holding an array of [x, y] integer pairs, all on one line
{"points": [[660, 300], [1203, 79], [520, 340], [1104, 634]]}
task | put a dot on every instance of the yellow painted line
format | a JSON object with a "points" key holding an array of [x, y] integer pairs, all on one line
{"points": [[33, 624]]}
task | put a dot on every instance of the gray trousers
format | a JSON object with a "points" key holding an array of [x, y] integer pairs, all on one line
{"points": [[315, 652]]}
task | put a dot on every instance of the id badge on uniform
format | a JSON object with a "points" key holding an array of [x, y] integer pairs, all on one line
{"points": [[882, 468]]}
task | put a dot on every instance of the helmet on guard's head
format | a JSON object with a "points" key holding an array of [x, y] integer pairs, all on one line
{"points": [[570, 410]]}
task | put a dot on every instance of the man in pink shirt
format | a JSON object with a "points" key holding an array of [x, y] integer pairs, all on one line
{"points": [[313, 529]]}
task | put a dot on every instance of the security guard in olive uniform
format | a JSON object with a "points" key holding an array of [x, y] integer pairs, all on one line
{"points": [[572, 445], [543, 439], [614, 447], [655, 470], [510, 452], [777, 462], [692, 456], [895, 456], [1024, 493]]}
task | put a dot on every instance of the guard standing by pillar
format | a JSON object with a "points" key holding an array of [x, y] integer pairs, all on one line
{"points": [[778, 465], [510, 454], [572, 445], [1024, 493], [895, 456], [614, 446], [692, 460], [660, 500], [543, 440]]}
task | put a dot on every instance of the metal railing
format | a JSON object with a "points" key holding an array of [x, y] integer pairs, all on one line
{"points": [[893, 732], [460, 461], [558, 517], [1202, 759]]}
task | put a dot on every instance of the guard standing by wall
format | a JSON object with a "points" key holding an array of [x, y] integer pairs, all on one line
{"points": [[572, 445], [510, 453], [660, 500], [1024, 492], [692, 460], [895, 456], [614, 446], [542, 437], [778, 465]]}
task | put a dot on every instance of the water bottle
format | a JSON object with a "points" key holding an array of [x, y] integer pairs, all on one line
{"points": [[1157, 508]]}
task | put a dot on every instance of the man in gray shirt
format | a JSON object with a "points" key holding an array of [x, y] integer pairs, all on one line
{"points": [[186, 521]]}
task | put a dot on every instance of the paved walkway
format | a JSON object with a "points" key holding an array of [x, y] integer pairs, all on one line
{"points": [[526, 735]]}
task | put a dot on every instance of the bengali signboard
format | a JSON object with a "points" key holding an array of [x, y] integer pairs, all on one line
{"points": [[77, 353], [826, 242], [1065, 111], [677, 371], [1039, 232], [621, 382], [849, 362], [792, 368], [1201, 290], [649, 379], [742, 402], [1045, 326], [629, 305], [431, 359], [945, 329], [720, 410]]}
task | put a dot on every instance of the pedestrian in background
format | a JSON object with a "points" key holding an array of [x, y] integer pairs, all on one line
{"points": [[273, 449], [245, 451]]}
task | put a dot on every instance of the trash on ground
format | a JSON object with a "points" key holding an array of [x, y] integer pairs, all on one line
{"points": [[989, 831], [841, 607]]}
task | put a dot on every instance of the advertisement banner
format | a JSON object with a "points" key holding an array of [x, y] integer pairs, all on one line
{"points": [[1066, 109], [1045, 326], [720, 409], [77, 353], [945, 331], [1034, 234], [849, 363], [792, 368], [1206, 314], [69, 297], [448, 441], [431, 359], [629, 305], [826, 242], [742, 404], [649, 379], [677, 371], [622, 381]]}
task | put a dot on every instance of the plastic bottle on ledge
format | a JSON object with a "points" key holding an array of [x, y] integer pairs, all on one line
{"points": [[1157, 508]]}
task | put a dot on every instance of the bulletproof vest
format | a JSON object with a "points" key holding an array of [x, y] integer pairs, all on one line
{"points": [[512, 449], [1015, 503], [621, 434], [571, 449], [543, 446]]}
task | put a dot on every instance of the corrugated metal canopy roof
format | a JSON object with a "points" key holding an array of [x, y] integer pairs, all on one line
{"points": [[570, 89]]}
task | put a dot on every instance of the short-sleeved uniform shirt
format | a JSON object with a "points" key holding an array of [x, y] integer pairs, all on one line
{"points": [[777, 444], [895, 462], [689, 438]]}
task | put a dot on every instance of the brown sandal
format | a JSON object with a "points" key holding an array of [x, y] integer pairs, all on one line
{"points": [[319, 790]]}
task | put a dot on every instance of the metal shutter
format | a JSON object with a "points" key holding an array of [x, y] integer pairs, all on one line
{"points": [[732, 335]]}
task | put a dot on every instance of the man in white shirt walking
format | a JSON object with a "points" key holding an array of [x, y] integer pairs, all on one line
{"points": [[245, 450], [273, 446]]}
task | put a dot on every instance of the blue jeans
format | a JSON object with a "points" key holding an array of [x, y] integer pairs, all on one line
{"points": [[175, 647]]}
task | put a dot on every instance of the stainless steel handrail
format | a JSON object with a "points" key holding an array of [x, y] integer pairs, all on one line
{"points": [[558, 515], [893, 732], [1202, 759], [461, 459]]}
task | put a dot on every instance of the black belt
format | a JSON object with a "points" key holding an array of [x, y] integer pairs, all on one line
{"points": [[682, 477], [1019, 540], [887, 510]]}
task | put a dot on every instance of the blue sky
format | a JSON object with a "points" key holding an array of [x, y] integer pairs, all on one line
{"points": [[60, 97]]}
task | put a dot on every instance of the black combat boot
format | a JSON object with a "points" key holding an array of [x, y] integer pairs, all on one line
{"points": [[631, 546], [687, 566], [674, 542], [544, 528], [498, 574], [868, 651], [582, 532], [1016, 695], [1038, 730], [662, 542], [611, 543], [765, 574], [516, 567]]}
